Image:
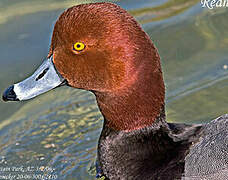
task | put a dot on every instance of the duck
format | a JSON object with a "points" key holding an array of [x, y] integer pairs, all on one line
{"points": [[101, 48]]}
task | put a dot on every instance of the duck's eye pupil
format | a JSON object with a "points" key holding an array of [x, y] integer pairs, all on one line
{"points": [[78, 45]]}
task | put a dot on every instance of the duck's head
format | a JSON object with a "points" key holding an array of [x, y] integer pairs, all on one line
{"points": [[101, 48]]}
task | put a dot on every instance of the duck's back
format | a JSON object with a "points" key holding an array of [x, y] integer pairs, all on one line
{"points": [[208, 158]]}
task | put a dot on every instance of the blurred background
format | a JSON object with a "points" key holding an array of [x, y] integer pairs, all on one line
{"points": [[60, 129]]}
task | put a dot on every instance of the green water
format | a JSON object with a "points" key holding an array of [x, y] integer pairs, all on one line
{"points": [[60, 129]]}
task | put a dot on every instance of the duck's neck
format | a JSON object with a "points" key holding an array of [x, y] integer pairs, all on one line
{"points": [[157, 151], [139, 154], [136, 107]]}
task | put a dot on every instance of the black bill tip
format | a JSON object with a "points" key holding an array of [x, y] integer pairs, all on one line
{"points": [[9, 95]]}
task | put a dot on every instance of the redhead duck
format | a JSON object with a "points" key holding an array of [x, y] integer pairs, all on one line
{"points": [[101, 48]]}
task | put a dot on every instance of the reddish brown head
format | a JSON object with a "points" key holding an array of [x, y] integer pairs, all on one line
{"points": [[115, 59]]}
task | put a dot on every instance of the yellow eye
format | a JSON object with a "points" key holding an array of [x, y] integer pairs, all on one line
{"points": [[78, 46]]}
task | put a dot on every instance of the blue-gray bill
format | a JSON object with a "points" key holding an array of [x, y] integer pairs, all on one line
{"points": [[44, 79]]}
